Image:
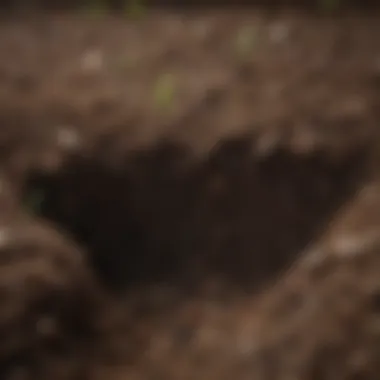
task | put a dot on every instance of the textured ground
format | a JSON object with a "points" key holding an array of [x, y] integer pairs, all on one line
{"points": [[191, 158]]}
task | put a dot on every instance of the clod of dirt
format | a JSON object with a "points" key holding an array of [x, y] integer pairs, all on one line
{"points": [[321, 321], [52, 313]]}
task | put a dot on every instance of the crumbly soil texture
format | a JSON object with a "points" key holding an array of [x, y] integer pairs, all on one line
{"points": [[161, 174]]}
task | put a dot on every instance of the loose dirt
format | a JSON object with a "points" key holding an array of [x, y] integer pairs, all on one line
{"points": [[190, 158]]}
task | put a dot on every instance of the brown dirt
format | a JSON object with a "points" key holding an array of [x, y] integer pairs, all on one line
{"points": [[321, 320], [285, 151], [321, 6], [55, 318], [191, 210]]}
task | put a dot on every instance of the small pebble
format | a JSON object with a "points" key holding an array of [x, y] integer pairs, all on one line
{"points": [[279, 33], [353, 244], [92, 60], [68, 138], [314, 257], [4, 237]]}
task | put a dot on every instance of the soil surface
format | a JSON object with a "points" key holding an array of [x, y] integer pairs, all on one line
{"points": [[319, 6], [169, 171]]}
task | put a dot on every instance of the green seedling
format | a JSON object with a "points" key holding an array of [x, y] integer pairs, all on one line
{"points": [[164, 92], [329, 6], [134, 8], [96, 8], [245, 42]]}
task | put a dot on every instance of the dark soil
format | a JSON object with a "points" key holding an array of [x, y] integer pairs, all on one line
{"points": [[336, 282], [319, 6], [190, 197], [55, 319]]}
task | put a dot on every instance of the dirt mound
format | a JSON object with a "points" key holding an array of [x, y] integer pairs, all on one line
{"points": [[54, 317], [321, 320]]}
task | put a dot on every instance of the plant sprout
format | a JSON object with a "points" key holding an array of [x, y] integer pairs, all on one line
{"points": [[164, 91], [245, 41], [96, 8], [329, 6], [134, 8]]}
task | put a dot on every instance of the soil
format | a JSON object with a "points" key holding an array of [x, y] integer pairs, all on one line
{"points": [[165, 173], [53, 310], [320, 6], [339, 282]]}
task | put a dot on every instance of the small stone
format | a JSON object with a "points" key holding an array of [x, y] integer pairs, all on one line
{"points": [[68, 138], [314, 257], [267, 144], [352, 244], [279, 33], [93, 60], [4, 237]]}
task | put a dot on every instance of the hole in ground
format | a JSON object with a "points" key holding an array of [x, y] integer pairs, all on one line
{"points": [[159, 219]]}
